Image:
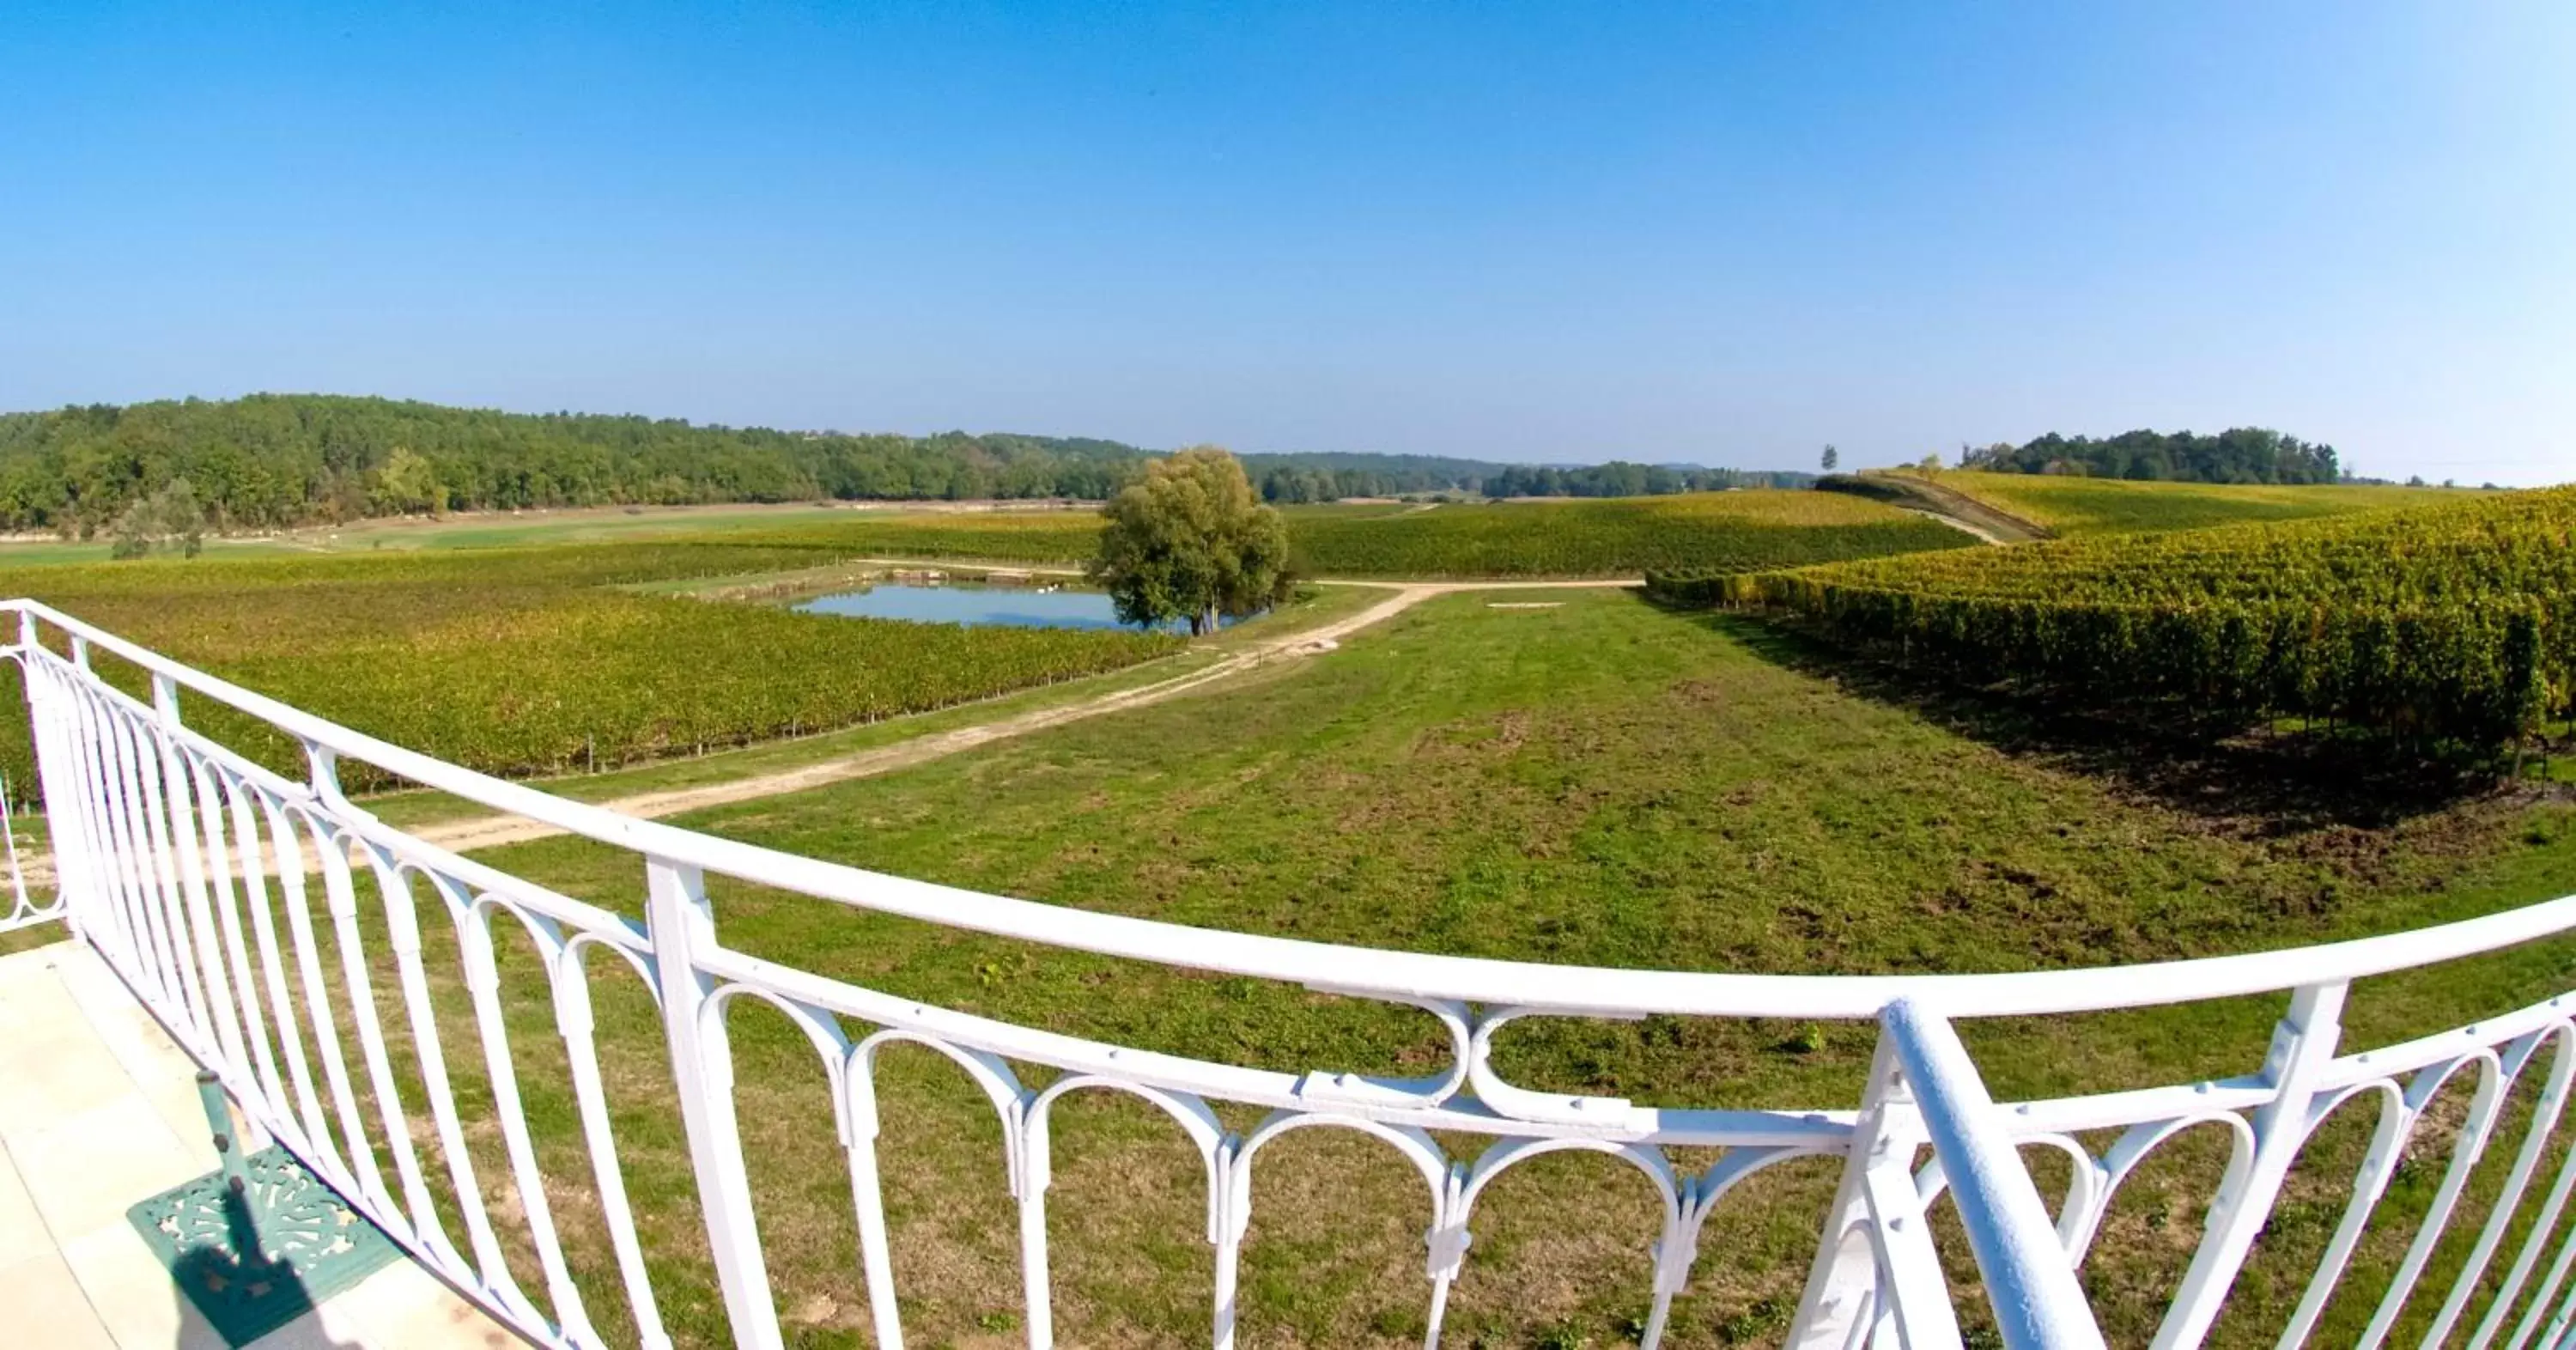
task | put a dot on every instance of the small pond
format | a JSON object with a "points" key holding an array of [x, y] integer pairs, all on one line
{"points": [[1009, 606]]}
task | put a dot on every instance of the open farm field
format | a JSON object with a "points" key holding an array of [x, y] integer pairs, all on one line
{"points": [[2454, 622], [2082, 506], [1603, 782]]}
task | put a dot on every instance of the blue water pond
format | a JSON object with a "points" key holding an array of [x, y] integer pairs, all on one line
{"points": [[1008, 606]]}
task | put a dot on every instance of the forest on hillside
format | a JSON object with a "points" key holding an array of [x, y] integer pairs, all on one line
{"points": [[268, 461], [2236, 455]]}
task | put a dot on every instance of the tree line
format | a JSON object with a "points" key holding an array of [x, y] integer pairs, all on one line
{"points": [[274, 460], [1619, 478], [2237, 455], [269, 461]]}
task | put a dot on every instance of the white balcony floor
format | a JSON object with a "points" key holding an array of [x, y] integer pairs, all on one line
{"points": [[98, 1110]]}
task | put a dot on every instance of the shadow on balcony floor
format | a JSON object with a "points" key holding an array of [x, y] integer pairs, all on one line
{"points": [[98, 1110]]}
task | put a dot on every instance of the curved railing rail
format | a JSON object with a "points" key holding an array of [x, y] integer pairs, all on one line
{"points": [[195, 872]]}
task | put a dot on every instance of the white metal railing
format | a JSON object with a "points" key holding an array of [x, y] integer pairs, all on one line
{"points": [[194, 872]]}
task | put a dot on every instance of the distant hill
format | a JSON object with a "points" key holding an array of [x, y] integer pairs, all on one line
{"points": [[269, 460], [2080, 506]]}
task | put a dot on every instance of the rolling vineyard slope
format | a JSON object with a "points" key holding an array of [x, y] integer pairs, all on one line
{"points": [[2081, 506], [2454, 622]]}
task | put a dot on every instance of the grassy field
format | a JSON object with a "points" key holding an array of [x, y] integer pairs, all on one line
{"points": [[2079, 506], [1601, 782]]}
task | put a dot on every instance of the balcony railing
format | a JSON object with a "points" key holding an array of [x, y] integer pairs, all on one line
{"points": [[195, 873]]}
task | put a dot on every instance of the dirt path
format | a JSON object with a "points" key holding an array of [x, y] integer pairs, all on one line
{"points": [[493, 831], [1956, 523]]}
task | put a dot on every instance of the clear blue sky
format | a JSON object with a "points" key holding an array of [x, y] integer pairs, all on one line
{"points": [[1720, 232]]}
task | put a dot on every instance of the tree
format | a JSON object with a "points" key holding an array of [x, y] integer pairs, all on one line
{"points": [[1832, 458], [1931, 464], [407, 485], [1190, 541], [168, 519]]}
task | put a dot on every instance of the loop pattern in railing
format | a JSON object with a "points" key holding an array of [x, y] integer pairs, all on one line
{"points": [[286, 937]]}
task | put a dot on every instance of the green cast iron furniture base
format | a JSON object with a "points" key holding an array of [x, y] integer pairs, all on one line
{"points": [[260, 1241]]}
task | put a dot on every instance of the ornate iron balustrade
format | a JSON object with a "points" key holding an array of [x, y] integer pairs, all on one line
{"points": [[194, 872]]}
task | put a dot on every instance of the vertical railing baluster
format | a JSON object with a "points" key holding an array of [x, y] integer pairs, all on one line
{"points": [[249, 807], [161, 860], [402, 932], [179, 799], [126, 781], [366, 1017], [1227, 1223], [2543, 1297], [2369, 1182], [2535, 1141], [1029, 1184], [680, 922], [57, 783], [483, 986], [350, 1150], [575, 1020], [2303, 1043], [867, 1197], [102, 869], [1842, 1299], [262, 1063], [421, 1211], [1876, 1277], [124, 855], [2485, 1108]]}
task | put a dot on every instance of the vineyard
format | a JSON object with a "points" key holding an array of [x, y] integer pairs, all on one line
{"points": [[522, 662], [1022, 537], [1715, 531], [2081, 506], [2452, 623], [1718, 531]]}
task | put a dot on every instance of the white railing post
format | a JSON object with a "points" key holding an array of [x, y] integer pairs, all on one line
{"points": [[2038, 1303], [55, 782], [2303, 1044], [191, 832], [681, 923], [1876, 1273]]}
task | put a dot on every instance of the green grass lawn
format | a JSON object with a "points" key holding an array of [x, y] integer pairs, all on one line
{"points": [[1602, 783], [2075, 506]]}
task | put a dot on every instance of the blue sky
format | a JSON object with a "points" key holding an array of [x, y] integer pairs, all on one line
{"points": [[1717, 232]]}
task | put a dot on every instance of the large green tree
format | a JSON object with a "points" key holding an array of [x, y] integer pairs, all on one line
{"points": [[1190, 541]]}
